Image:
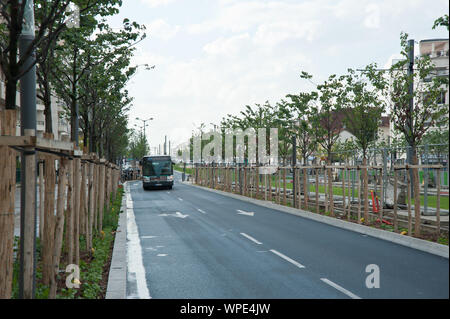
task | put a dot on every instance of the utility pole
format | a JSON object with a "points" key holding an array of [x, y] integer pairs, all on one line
{"points": [[165, 145], [411, 106], [27, 271]]}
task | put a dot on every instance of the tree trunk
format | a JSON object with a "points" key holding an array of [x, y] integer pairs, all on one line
{"points": [[10, 94], [48, 108], [365, 192]]}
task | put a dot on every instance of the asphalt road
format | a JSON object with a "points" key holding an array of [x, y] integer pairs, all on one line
{"points": [[199, 244]]}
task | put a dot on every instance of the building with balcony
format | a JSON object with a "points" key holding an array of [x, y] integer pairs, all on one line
{"points": [[61, 128]]}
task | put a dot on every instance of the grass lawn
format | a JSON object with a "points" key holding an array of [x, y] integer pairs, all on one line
{"points": [[337, 190]]}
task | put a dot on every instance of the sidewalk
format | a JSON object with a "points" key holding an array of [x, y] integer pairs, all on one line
{"points": [[117, 280]]}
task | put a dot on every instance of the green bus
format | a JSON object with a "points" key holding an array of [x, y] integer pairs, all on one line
{"points": [[157, 172]]}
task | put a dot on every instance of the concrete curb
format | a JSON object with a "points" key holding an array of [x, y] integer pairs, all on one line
{"points": [[419, 244], [117, 280]]}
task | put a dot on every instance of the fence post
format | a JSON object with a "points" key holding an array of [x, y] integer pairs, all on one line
{"points": [[381, 194], [91, 206], [317, 190], [358, 176], [284, 186], [96, 193], [330, 184], [101, 194], [438, 207], [408, 185], [349, 206], [278, 185], [83, 199], [41, 198], [325, 185], [70, 213], [425, 183], [7, 201], [47, 240], [385, 177], [395, 201], [305, 188], [59, 225]]}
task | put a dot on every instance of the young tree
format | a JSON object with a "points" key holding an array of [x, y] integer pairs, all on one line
{"points": [[363, 115], [426, 112], [300, 107], [138, 146], [47, 46], [81, 52], [327, 119], [442, 22]]}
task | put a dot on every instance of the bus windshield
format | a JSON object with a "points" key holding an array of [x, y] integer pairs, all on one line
{"points": [[157, 166]]}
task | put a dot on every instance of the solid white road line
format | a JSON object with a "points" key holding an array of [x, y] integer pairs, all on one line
{"points": [[251, 238], [201, 211], [343, 290], [287, 258], [135, 263]]}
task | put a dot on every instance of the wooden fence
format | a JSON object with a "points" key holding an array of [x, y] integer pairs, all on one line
{"points": [[321, 182], [75, 192]]}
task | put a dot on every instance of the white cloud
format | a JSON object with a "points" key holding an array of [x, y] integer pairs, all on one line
{"points": [[372, 20], [249, 51], [156, 3], [227, 46], [161, 29], [242, 16]]}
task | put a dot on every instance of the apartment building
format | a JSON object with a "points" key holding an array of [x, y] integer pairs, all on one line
{"points": [[438, 51], [61, 127]]}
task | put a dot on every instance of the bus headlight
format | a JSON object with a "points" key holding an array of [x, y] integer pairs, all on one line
{"points": [[170, 178], [146, 179]]}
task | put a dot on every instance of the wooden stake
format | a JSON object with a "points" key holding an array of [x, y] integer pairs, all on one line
{"points": [[102, 196], [438, 205], [305, 188], [91, 205], [395, 202], [349, 206], [59, 225], [96, 195], [409, 203], [284, 186], [381, 196], [317, 191], [41, 199], [325, 184], [70, 214], [330, 186], [7, 201], [358, 187]]}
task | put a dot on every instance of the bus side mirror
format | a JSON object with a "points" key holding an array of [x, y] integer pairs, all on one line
{"points": [[140, 162]]}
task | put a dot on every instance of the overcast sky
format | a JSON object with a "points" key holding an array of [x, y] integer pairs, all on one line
{"points": [[213, 57]]}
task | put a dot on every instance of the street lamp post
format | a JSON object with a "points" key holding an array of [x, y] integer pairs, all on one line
{"points": [[144, 121], [27, 251]]}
